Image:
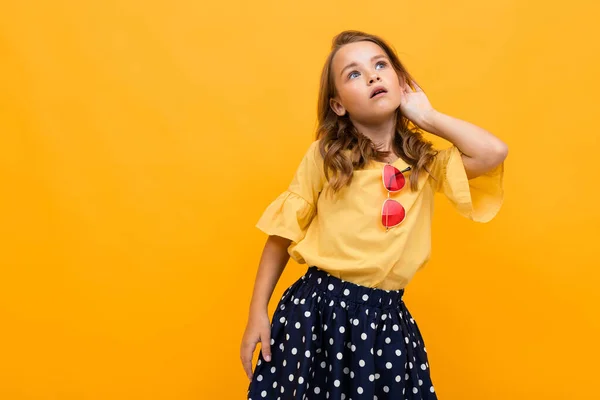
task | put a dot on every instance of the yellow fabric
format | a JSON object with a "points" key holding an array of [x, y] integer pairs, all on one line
{"points": [[342, 233]]}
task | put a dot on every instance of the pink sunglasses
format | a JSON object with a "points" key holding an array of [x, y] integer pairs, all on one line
{"points": [[392, 212]]}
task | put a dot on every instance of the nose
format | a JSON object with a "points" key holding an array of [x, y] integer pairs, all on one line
{"points": [[374, 78]]}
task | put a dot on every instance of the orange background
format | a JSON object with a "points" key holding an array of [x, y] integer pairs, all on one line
{"points": [[140, 142]]}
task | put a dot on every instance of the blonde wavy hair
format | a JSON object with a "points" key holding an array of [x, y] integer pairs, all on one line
{"points": [[338, 134]]}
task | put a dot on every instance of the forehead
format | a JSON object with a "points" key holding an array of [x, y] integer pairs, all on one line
{"points": [[359, 53]]}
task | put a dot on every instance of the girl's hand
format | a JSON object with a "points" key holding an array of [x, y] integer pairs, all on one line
{"points": [[415, 105], [258, 329]]}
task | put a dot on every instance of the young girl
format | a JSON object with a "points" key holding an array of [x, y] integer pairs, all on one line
{"points": [[342, 331]]}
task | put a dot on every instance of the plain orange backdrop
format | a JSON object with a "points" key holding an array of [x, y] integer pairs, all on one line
{"points": [[141, 140]]}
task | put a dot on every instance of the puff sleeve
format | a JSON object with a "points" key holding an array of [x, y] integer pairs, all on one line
{"points": [[478, 199], [290, 214]]}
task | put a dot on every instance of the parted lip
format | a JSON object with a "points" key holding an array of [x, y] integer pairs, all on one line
{"points": [[378, 89]]}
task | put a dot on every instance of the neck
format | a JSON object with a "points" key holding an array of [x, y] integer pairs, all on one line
{"points": [[381, 133]]}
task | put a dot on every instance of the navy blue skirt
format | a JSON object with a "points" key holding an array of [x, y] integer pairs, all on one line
{"points": [[332, 339]]}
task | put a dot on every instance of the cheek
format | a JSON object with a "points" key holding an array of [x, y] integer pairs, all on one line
{"points": [[353, 93]]}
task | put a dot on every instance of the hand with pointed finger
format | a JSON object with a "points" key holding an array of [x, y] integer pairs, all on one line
{"points": [[258, 329], [414, 104]]}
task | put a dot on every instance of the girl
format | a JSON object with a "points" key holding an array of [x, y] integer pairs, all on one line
{"points": [[342, 331]]}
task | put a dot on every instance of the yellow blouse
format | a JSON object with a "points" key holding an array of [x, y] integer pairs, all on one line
{"points": [[343, 234]]}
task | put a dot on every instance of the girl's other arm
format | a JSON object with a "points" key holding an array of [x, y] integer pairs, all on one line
{"points": [[258, 329]]}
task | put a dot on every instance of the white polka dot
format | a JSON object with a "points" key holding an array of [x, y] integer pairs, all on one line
{"points": [[259, 378], [377, 376], [379, 352], [395, 327], [383, 317], [342, 329], [342, 303], [388, 365], [330, 286], [274, 385], [324, 327], [263, 393], [303, 301], [307, 314], [317, 390], [373, 325], [297, 325], [340, 356], [365, 297], [336, 383], [386, 389], [273, 369], [410, 365], [406, 377], [333, 315], [371, 378], [291, 377], [406, 340], [319, 280], [296, 301], [388, 340], [300, 380], [331, 341], [346, 292], [307, 353], [314, 337], [353, 348], [282, 320], [420, 382], [272, 342], [294, 351], [398, 378], [361, 363], [423, 367], [359, 390], [431, 389], [363, 336], [415, 390], [355, 322], [352, 374], [346, 370]]}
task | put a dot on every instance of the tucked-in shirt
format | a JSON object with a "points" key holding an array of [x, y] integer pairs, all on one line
{"points": [[343, 234]]}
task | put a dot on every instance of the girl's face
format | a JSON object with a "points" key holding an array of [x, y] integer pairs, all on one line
{"points": [[367, 85]]}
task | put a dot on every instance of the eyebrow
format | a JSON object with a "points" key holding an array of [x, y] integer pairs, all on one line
{"points": [[353, 64]]}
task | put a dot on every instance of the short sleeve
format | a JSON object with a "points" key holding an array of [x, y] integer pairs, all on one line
{"points": [[290, 214], [479, 198]]}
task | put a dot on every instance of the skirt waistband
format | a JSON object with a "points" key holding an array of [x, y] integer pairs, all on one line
{"points": [[351, 292]]}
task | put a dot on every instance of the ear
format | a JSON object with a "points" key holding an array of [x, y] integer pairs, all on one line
{"points": [[337, 107]]}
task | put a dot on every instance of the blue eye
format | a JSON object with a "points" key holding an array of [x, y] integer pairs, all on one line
{"points": [[382, 63], [352, 73]]}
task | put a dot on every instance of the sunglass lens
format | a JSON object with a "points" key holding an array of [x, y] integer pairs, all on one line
{"points": [[393, 179], [392, 213]]}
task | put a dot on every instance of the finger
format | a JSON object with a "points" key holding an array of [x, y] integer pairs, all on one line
{"points": [[417, 87], [265, 343], [246, 356], [407, 88]]}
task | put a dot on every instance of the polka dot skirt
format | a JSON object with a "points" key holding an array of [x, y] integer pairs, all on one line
{"points": [[332, 339]]}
